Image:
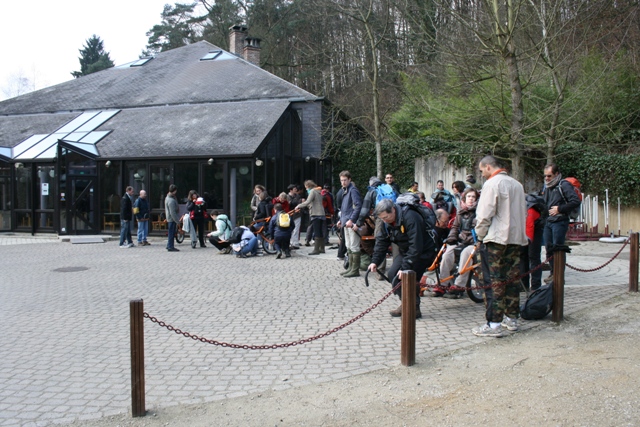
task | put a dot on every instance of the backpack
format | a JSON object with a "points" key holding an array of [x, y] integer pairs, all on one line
{"points": [[284, 220], [539, 303], [385, 191], [575, 213], [327, 203], [236, 235], [537, 203], [412, 201]]}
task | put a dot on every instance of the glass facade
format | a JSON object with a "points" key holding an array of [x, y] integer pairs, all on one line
{"points": [[5, 196]]}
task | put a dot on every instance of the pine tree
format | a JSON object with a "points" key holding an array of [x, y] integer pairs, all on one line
{"points": [[93, 57]]}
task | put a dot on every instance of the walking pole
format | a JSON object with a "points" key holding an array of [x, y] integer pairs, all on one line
{"points": [[136, 311], [408, 337], [633, 262]]}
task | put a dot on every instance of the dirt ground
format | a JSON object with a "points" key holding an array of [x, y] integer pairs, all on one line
{"points": [[584, 371]]}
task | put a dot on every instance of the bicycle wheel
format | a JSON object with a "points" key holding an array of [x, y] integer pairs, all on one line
{"points": [[268, 246], [179, 237], [475, 293]]}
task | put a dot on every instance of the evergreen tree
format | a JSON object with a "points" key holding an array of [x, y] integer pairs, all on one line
{"points": [[93, 57], [178, 28]]}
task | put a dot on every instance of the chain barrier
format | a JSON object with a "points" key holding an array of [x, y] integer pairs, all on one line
{"points": [[270, 346], [590, 270]]}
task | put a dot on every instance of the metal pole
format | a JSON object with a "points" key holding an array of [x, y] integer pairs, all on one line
{"points": [[136, 310], [408, 340], [633, 262], [559, 262]]}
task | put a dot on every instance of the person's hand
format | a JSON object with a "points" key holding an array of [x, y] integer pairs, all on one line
{"points": [[554, 211], [338, 224], [372, 267]]}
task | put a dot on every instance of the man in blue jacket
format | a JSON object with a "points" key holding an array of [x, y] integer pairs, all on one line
{"points": [[349, 212]]}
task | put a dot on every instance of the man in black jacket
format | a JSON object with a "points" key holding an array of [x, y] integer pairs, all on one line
{"points": [[126, 215], [561, 199], [406, 228]]}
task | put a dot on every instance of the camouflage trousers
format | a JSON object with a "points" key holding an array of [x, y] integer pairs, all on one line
{"points": [[500, 263]]}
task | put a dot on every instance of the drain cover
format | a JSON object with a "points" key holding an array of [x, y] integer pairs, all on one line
{"points": [[70, 269]]}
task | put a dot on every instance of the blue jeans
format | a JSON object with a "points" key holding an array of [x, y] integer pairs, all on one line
{"points": [[555, 234], [251, 246], [125, 232], [143, 231], [173, 227]]}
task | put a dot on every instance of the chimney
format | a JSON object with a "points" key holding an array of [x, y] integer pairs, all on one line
{"points": [[237, 34], [251, 52]]}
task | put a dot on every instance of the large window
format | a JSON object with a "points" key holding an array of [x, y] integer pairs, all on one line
{"points": [[213, 185], [24, 197], [111, 193], [186, 179], [135, 176], [5, 196], [160, 181]]}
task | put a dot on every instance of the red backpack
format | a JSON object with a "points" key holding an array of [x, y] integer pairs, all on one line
{"points": [[576, 186], [327, 203], [574, 214]]}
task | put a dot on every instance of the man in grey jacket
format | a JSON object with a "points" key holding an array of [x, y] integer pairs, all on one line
{"points": [[349, 212], [501, 228], [171, 210]]}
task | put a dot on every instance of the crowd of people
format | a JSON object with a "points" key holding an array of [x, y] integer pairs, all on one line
{"points": [[498, 222]]}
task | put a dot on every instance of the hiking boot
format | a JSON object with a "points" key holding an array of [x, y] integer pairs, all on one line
{"points": [[278, 254], [354, 265], [398, 312], [287, 253], [509, 323], [548, 279], [487, 331], [316, 248], [452, 295], [435, 294]]}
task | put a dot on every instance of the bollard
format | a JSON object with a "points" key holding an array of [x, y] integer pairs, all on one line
{"points": [[633, 262], [408, 337], [559, 262], [136, 311]]}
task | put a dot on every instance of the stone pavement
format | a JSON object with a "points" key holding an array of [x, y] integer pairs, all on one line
{"points": [[64, 350]]}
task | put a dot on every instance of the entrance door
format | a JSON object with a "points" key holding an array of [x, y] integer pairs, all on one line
{"points": [[81, 214]]}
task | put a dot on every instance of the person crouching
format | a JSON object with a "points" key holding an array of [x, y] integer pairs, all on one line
{"points": [[280, 228]]}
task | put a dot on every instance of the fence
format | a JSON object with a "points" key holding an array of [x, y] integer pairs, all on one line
{"points": [[408, 330]]}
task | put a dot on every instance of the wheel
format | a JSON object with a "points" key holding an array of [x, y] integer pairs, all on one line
{"points": [[179, 237], [268, 246], [476, 294]]}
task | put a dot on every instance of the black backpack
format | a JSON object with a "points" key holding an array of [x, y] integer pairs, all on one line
{"points": [[539, 303], [236, 235], [412, 201]]}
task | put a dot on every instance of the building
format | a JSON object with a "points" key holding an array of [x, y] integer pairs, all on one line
{"points": [[196, 116]]}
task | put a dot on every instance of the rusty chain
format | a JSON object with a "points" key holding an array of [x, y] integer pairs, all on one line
{"points": [[603, 265], [270, 346]]}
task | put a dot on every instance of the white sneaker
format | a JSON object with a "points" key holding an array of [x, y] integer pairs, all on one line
{"points": [[131, 245], [509, 323], [487, 331]]}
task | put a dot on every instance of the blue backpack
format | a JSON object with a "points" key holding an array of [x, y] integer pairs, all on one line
{"points": [[385, 191]]}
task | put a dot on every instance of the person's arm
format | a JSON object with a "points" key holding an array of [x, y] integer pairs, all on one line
{"points": [[486, 210], [414, 228], [532, 217], [570, 196], [356, 199], [380, 249], [452, 238], [366, 208]]}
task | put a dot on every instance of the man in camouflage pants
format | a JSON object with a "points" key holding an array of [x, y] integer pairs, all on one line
{"points": [[500, 226]]}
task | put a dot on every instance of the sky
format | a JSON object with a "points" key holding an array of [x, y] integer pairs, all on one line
{"points": [[40, 39]]}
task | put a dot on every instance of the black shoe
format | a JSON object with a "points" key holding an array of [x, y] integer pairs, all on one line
{"points": [[279, 255], [202, 245], [307, 244], [287, 254], [294, 248], [173, 250], [193, 245], [241, 255]]}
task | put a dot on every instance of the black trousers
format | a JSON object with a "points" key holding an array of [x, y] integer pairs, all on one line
{"points": [[419, 267]]}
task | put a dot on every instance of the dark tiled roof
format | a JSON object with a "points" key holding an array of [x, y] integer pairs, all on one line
{"points": [[174, 105], [221, 129], [173, 77]]}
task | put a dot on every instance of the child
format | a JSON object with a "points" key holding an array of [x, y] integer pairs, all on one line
{"points": [[280, 228]]}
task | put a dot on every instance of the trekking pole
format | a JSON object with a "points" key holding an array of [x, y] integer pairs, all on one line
{"points": [[633, 262], [408, 334]]}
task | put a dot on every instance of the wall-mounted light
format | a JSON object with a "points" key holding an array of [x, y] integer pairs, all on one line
{"points": [[306, 159], [19, 165], [210, 161], [259, 162], [108, 163]]}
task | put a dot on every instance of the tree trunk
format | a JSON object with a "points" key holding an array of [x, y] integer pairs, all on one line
{"points": [[517, 111]]}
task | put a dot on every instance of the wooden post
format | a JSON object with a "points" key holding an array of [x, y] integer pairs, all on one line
{"points": [[408, 340], [633, 262], [559, 262], [136, 311]]}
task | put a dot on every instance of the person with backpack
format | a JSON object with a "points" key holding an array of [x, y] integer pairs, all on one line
{"points": [[220, 237], [561, 200], [500, 227], [537, 214], [406, 227], [243, 242], [349, 213], [316, 212], [280, 228]]}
